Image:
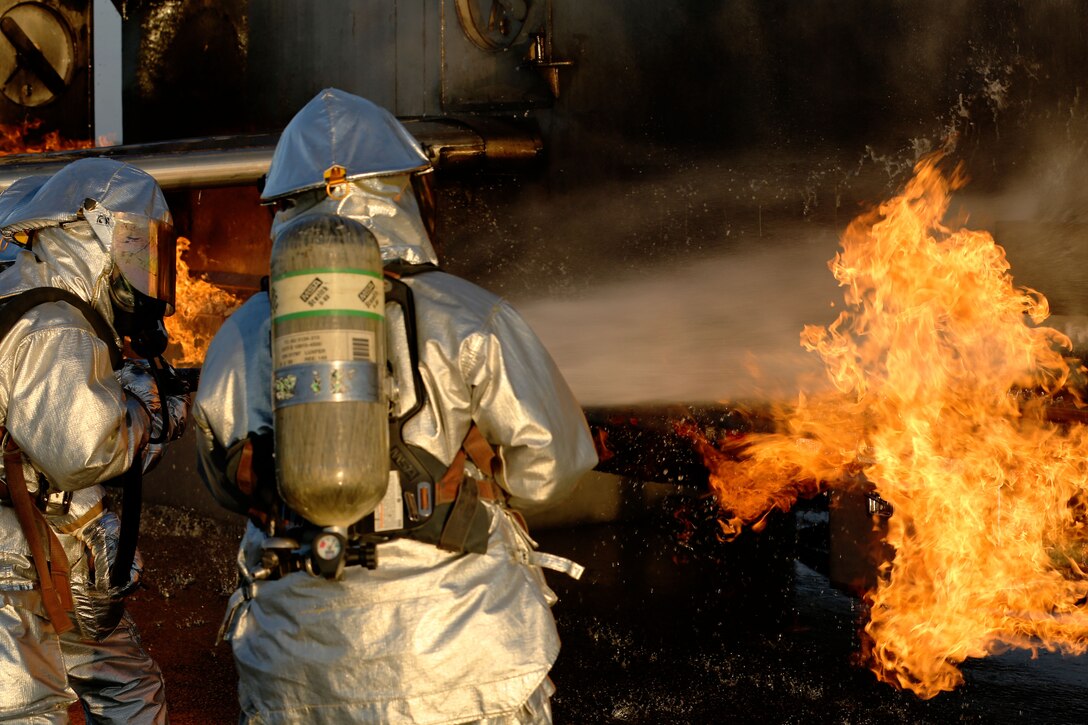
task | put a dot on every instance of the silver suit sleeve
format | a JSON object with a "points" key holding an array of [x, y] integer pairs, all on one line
{"points": [[520, 398], [234, 397], [62, 384]]}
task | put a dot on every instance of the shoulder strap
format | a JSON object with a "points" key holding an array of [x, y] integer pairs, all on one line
{"points": [[13, 308], [466, 492], [466, 516], [475, 448], [418, 469]]}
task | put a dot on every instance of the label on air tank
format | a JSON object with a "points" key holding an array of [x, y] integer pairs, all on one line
{"points": [[325, 345], [325, 382], [389, 516], [315, 292]]}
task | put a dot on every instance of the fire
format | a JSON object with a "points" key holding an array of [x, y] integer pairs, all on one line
{"points": [[941, 371], [24, 138], [199, 310], [200, 306]]}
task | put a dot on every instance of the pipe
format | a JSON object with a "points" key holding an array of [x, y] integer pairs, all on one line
{"points": [[452, 144]]}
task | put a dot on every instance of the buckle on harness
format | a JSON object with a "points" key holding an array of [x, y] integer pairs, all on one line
{"points": [[52, 503]]}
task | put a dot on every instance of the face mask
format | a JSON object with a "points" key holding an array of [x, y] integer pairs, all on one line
{"points": [[138, 317], [143, 250]]}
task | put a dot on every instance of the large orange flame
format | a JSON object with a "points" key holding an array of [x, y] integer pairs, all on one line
{"points": [[26, 138], [200, 307], [940, 370]]}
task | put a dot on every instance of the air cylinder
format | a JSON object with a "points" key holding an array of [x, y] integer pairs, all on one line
{"points": [[329, 360]]}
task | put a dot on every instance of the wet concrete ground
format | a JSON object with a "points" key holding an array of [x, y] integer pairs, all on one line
{"points": [[665, 627], [764, 640]]}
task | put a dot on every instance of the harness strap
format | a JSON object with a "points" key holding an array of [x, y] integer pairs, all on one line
{"points": [[466, 492], [131, 504], [247, 477], [447, 487], [455, 533], [52, 570], [483, 456]]}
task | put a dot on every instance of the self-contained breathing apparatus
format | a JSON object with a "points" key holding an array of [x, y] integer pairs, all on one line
{"points": [[345, 480]]}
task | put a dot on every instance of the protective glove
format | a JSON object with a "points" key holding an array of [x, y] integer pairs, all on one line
{"points": [[99, 606], [137, 381]]}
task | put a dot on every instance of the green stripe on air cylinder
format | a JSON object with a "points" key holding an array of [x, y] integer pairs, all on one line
{"points": [[327, 313], [327, 270]]}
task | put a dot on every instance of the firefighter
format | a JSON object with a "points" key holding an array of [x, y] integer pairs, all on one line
{"points": [[433, 608], [96, 263]]}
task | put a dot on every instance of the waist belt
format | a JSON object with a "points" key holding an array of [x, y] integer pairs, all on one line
{"points": [[459, 522], [459, 525], [294, 551]]}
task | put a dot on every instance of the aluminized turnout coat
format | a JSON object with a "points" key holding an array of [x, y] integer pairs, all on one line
{"points": [[428, 636], [63, 405]]}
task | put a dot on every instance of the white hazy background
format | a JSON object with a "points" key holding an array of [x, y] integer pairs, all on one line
{"points": [[725, 328]]}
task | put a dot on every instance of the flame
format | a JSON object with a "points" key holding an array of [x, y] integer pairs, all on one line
{"points": [[199, 309], [25, 138], [940, 371], [200, 306]]}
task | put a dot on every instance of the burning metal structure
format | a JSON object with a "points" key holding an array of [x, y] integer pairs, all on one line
{"points": [[578, 153]]}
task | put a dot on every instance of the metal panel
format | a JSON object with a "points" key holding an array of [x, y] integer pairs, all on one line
{"points": [[183, 69], [484, 56], [296, 49], [45, 50], [417, 46]]}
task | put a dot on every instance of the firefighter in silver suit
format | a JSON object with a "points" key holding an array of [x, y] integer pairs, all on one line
{"points": [[74, 416], [428, 635]]}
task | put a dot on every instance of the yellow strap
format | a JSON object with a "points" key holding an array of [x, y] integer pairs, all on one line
{"points": [[74, 526]]}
